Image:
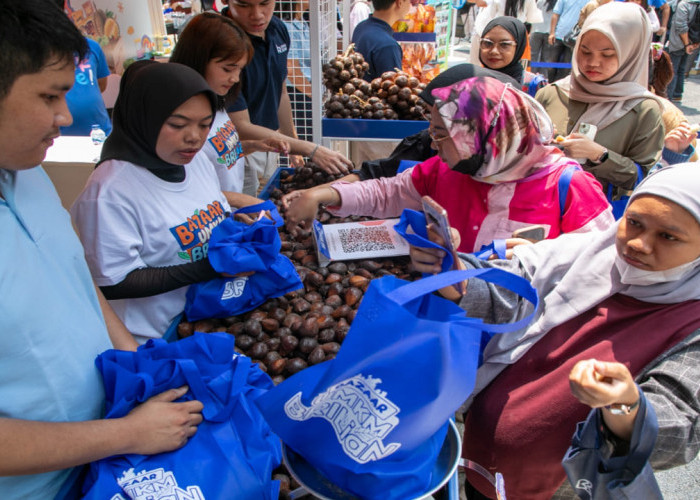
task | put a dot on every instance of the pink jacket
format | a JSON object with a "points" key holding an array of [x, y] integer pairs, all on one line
{"points": [[483, 212]]}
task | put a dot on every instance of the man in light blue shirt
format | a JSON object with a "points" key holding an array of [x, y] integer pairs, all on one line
{"points": [[53, 320], [564, 18]]}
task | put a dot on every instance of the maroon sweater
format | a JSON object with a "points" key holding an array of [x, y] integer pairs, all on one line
{"points": [[521, 424]]}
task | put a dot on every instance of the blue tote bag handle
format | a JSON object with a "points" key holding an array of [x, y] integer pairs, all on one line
{"points": [[265, 205], [521, 286], [496, 247], [419, 238]]}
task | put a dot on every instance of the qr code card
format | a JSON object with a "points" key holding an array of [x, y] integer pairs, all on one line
{"points": [[358, 240]]}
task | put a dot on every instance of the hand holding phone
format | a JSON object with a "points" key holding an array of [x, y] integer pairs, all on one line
{"points": [[534, 233], [588, 130], [436, 218]]}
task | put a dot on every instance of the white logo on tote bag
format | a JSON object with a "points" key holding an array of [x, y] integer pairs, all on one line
{"points": [[360, 414], [155, 484]]}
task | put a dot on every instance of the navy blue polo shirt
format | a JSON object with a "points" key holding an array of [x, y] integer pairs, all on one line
{"points": [[264, 77], [373, 38]]}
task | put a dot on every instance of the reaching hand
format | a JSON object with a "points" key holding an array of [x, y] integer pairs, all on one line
{"points": [[301, 207], [159, 425], [296, 161], [678, 139], [331, 162], [270, 145]]}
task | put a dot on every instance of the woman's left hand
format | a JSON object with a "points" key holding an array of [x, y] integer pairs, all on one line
{"points": [[678, 139], [598, 383], [270, 145], [331, 162], [296, 161], [579, 146]]}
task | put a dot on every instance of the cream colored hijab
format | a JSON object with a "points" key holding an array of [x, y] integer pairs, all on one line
{"points": [[627, 27]]}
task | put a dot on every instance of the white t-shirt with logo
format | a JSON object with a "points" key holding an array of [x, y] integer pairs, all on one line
{"points": [[128, 219], [224, 150]]}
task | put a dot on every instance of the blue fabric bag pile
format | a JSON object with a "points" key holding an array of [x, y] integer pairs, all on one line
{"points": [[233, 452], [236, 247], [373, 419]]}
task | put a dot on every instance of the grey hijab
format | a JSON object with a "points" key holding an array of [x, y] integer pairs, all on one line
{"points": [[576, 271]]}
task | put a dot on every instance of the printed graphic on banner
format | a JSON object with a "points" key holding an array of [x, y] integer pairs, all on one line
{"points": [[156, 484], [227, 145], [361, 416], [193, 234]]}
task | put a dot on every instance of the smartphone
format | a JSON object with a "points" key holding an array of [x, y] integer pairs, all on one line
{"points": [[533, 233], [437, 216], [588, 130]]}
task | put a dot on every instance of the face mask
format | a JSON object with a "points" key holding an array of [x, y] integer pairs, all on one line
{"points": [[471, 165], [630, 275]]}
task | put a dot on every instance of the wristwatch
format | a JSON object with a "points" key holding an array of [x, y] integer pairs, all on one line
{"points": [[622, 409], [603, 156]]}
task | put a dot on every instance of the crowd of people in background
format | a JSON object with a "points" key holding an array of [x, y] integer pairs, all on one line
{"points": [[193, 138]]}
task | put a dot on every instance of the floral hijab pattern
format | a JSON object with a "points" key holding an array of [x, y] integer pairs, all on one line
{"points": [[518, 144]]}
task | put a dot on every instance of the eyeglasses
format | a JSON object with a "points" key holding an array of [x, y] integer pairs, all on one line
{"points": [[502, 46], [436, 138]]}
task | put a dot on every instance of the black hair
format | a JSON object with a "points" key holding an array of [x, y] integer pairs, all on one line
{"points": [[382, 4], [34, 34], [513, 7]]}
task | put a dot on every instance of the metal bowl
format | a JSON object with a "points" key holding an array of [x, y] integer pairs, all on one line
{"points": [[315, 483]]}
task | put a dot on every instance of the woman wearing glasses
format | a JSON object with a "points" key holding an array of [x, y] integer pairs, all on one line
{"points": [[524, 10], [501, 47], [607, 88], [494, 172]]}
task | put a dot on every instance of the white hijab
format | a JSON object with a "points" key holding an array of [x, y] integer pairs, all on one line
{"points": [[576, 271], [627, 26]]}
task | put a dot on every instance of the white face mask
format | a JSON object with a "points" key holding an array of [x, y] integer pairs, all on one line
{"points": [[630, 275]]}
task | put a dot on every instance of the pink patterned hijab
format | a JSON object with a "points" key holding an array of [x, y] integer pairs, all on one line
{"points": [[516, 147]]}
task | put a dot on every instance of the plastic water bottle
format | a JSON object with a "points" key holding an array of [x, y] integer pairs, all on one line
{"points": [[97, 135]]}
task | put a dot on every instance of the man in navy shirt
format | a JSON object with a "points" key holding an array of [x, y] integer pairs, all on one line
{"points": [[373, 37], [263, 109]]}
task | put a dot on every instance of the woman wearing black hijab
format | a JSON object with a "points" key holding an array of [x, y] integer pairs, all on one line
{"points": [[147, 211], [501, 47]]}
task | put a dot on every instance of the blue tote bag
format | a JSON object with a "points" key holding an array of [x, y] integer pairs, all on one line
{"points": [[620, 205], [236, 247], [233, 452], [593, 471], [373, 419]]}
